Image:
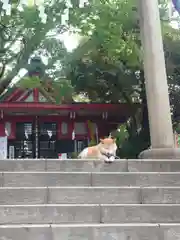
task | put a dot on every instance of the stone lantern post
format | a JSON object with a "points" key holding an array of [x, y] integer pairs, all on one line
{"points": [[162, 141]]}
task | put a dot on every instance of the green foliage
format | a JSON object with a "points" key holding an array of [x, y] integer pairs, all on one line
{"points": [[29, 83], [74, 155], [63, 91], [132, 147], [164, 10], [107, 65], [92, 143], [60, 91], [121, 135], [23, 34], [104, 22]]}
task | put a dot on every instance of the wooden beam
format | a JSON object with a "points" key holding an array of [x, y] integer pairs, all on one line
{"points": [[14, 95]]}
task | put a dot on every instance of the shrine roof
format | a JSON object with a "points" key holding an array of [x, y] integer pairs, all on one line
{"points": [[30, 101]]}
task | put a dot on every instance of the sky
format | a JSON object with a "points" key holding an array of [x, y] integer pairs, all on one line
{"points": [[70, 41]]}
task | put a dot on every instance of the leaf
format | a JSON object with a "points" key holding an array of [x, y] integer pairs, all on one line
{"points": [[29, 83]]}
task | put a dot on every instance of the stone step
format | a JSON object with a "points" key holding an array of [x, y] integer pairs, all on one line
{"points": [[123, 165], [158, 165], [89, 195], [91, 232], [89, 213], [44, 179], [70, 195], [70, 165]]}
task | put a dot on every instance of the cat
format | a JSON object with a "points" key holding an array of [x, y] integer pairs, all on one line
{"points": [[105, 150]]}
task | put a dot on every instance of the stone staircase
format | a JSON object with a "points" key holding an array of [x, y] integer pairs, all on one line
{"points": [[89, 200]]}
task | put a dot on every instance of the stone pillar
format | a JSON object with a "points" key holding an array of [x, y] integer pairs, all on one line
{"points": [[161, 132]]}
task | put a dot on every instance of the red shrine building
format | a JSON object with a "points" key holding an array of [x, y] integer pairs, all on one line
{"points": [[36, 128]]}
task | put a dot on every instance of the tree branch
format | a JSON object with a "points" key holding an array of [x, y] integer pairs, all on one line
{"points": [[2, 70]]}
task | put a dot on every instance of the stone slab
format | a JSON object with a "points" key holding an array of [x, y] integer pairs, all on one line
{"points": [[69, 195], [89, 195], [22, 165], [142, 179], [29, 232], [96, 195], [114, 195], [160, 153], [170, 232], [89, 213], [142, 213], [69, 165], [107, 232], [38, 214], [162, 195], [23, 196], [43, 179], [86, 166], [1, 179], [85, 232], [62, 165], [157, 165]]}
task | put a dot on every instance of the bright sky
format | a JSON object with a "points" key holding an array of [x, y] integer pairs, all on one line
{"points": [[70, 41]]}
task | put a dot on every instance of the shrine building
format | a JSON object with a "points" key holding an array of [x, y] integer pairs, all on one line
{"points": [[37, 128]]}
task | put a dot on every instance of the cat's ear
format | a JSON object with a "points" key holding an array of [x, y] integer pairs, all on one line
{"points": [[114, 140], [101, 140]]}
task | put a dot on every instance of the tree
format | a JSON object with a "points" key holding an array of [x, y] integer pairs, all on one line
{"points": [[23, 34], [113, 53], [108, 65], [172, 54], [56, 91]]}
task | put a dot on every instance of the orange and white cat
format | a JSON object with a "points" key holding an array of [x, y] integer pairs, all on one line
{"points": [[105, 150]]}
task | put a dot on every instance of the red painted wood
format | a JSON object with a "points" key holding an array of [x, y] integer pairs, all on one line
{"points": [[64, 136], [15, 120], [88, 130], [59, 129], [17, 93], [25, 96], [71, 129], [59, 121], [12, 136], [104, 127], [2, 129], [18, 96], [19, 118], [36, 94], [73, 107]]}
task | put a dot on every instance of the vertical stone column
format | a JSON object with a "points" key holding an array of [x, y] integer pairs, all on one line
{"points": [[161, 132]]}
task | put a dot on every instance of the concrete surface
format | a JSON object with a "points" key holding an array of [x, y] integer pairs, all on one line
{"points": [[89, 200], [91, 232], [91, 195], [89, 213], [44, 179]]}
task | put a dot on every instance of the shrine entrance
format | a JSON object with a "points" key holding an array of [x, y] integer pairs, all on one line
{"points": [[46, 138], [24, 144], [34, 140]]}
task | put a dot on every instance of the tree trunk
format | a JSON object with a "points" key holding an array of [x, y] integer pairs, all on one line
{"points": [[4, 84]]}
